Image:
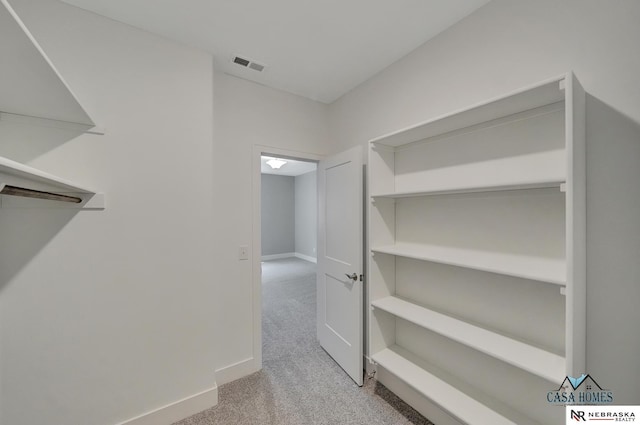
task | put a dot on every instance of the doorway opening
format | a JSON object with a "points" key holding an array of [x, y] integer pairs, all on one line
{"points": [[301, 380], [288, 261], [284, 251], [288, 209]]}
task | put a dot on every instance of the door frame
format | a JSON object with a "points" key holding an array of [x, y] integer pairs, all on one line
{"points": [[256, 240]]}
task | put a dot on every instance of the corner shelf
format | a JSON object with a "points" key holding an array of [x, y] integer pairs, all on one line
{"points": [[527, 267], [507, 249], [34, 101], [527, 357]]}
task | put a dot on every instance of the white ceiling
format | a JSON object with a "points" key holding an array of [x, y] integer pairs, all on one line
{"points": [[291, 168], [317, 49]]}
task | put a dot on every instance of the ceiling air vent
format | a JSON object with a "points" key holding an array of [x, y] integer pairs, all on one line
{"points": [[241, 61], [247, 63], [256, 66]]}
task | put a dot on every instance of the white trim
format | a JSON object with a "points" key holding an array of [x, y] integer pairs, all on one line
{"points": [[235, 371], [256, 247], [306, 257], [278, 256], [178, 410]]}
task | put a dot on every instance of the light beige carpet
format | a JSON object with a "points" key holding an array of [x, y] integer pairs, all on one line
{"points": [[300, 383]]}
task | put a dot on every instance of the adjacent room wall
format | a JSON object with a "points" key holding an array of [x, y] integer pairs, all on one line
{"points": [[107, 315], [306, 205], [278, 215], [510, 44], [247, 115]]}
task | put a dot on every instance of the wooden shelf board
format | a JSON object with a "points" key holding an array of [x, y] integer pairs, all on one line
{"points": [[526, 267], [462, 404], [532, 359], [546, 93], [472, 189]]}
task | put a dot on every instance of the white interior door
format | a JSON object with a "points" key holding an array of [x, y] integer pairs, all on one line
{"points": [[340, 286]]}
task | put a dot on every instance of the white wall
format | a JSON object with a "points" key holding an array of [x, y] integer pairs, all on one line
{"points": [[108, 315], [306, 212], [278, 214], [501, 47], [246, 115], [509, 44]]}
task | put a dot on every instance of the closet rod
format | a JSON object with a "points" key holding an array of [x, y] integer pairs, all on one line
{"points": [[30, 193]]}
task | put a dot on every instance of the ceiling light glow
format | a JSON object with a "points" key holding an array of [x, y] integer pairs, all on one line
{"points": [[276, 163]]}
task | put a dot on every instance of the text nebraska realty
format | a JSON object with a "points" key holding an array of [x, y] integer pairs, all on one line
{"points": [[615, 416], [595, 415]]}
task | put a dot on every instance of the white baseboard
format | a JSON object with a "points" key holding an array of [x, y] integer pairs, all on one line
{"points": [[306, 257], [289, 255], [235, 371], [178, 410], [278, 256]]}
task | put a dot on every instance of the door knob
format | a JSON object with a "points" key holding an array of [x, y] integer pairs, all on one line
{"points": [[352, 276]]}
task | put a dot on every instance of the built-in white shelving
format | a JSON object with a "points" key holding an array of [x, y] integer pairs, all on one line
{"points": [[36, 101], [487, 113], [471, 189], [509, 216], [527, 267], [532, 359], [14, 174], [459, 401], [31, 86]]}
